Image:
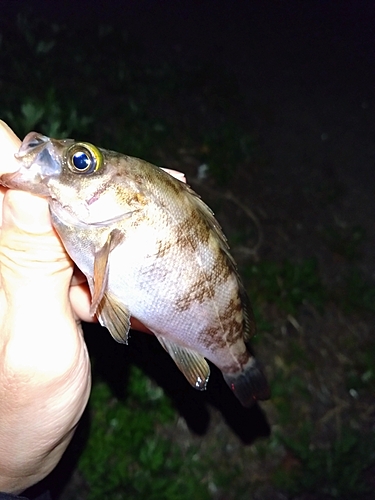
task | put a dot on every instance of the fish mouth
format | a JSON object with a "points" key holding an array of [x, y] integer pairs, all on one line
{"points": [[40, 159], [31, 143], [20, 180], [8, 180], [41, 154]]}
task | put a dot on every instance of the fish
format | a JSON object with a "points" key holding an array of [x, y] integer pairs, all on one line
{"points": [[150, 248]]}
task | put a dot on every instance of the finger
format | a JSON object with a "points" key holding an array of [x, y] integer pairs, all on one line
{"points": [[80, 299], [176, 174], [9, 145], [34, 264], [135, 324], [26, 212]]}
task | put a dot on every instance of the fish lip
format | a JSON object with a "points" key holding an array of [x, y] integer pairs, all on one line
{"points": [[31, 143], [6, 179], [17, 180], [39, 140], [34, 141], [39, 158]]}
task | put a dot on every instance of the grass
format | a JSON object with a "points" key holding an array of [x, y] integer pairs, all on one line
{"points": [[117, 98], [132, 459], [336, 470], [287, 284]]}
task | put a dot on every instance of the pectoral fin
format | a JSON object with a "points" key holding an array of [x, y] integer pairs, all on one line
{"points": [[115, 316], [193, 365], [101, 268]]}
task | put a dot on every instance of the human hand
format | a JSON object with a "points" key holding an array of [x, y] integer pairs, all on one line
{"points": [[44, 365]]}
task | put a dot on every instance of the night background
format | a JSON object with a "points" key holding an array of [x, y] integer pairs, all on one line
{"points": [[268, 107]]}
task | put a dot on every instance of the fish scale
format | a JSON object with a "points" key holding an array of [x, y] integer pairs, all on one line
{"points": [[150, 248]]}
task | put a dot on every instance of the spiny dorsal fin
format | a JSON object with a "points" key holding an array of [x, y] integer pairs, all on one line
{"points": [[249, 326]]}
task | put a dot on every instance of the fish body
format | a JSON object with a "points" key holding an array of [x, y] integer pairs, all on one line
{"points": [[150, 248]]}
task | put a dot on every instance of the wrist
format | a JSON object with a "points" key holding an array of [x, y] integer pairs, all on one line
{"points": [[39, 417]]}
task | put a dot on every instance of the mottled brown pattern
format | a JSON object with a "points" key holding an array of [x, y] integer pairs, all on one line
{"points": [[213, 338], [206, 283], [137, 221], [233, 306], [196, 293], [130, 198], [230, 323], [234, 332], [170, 182], [192, 231], [163, 247]]}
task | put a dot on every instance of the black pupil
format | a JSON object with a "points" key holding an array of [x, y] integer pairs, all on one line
{"points": [[81, 160]]}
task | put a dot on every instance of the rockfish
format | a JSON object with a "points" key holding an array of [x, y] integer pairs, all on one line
{"points": [[149, 248]]}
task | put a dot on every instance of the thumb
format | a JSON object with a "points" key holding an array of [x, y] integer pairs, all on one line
{"points": [[35, 275], [37, 323], [36, 316], [29, 246]]}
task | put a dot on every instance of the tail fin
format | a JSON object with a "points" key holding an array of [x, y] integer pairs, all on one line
{"points": [[250, 384]]}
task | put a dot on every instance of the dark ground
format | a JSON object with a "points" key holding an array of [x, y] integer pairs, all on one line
{"points": [[306, 74]]}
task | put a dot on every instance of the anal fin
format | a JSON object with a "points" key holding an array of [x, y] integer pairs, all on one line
{"points": [[115, 316], [192, 365]]}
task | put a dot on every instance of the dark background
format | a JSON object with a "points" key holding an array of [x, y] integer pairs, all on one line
{"points": [[320, 53]]}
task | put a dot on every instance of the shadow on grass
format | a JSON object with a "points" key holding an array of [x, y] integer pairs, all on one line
{"points": [[112, 362]]}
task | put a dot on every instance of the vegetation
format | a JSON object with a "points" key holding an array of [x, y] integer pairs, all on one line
{"points": [[125, 456], [138, 445]]}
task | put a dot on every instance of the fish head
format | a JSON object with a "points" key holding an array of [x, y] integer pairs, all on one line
{"points": [[77, 178]]}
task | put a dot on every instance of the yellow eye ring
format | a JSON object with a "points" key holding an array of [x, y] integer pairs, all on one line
{"points": [[84, 158]]}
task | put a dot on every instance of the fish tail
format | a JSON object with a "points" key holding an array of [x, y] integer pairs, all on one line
{"points": [[249, 385]]}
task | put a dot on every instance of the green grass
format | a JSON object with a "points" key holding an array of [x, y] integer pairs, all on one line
{"points": [[335, 470], [125, 456], [334, 467], [287, 284]]}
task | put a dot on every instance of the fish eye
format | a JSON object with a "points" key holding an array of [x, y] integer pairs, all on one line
{"points": [[84, 158], [81, 161]]}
